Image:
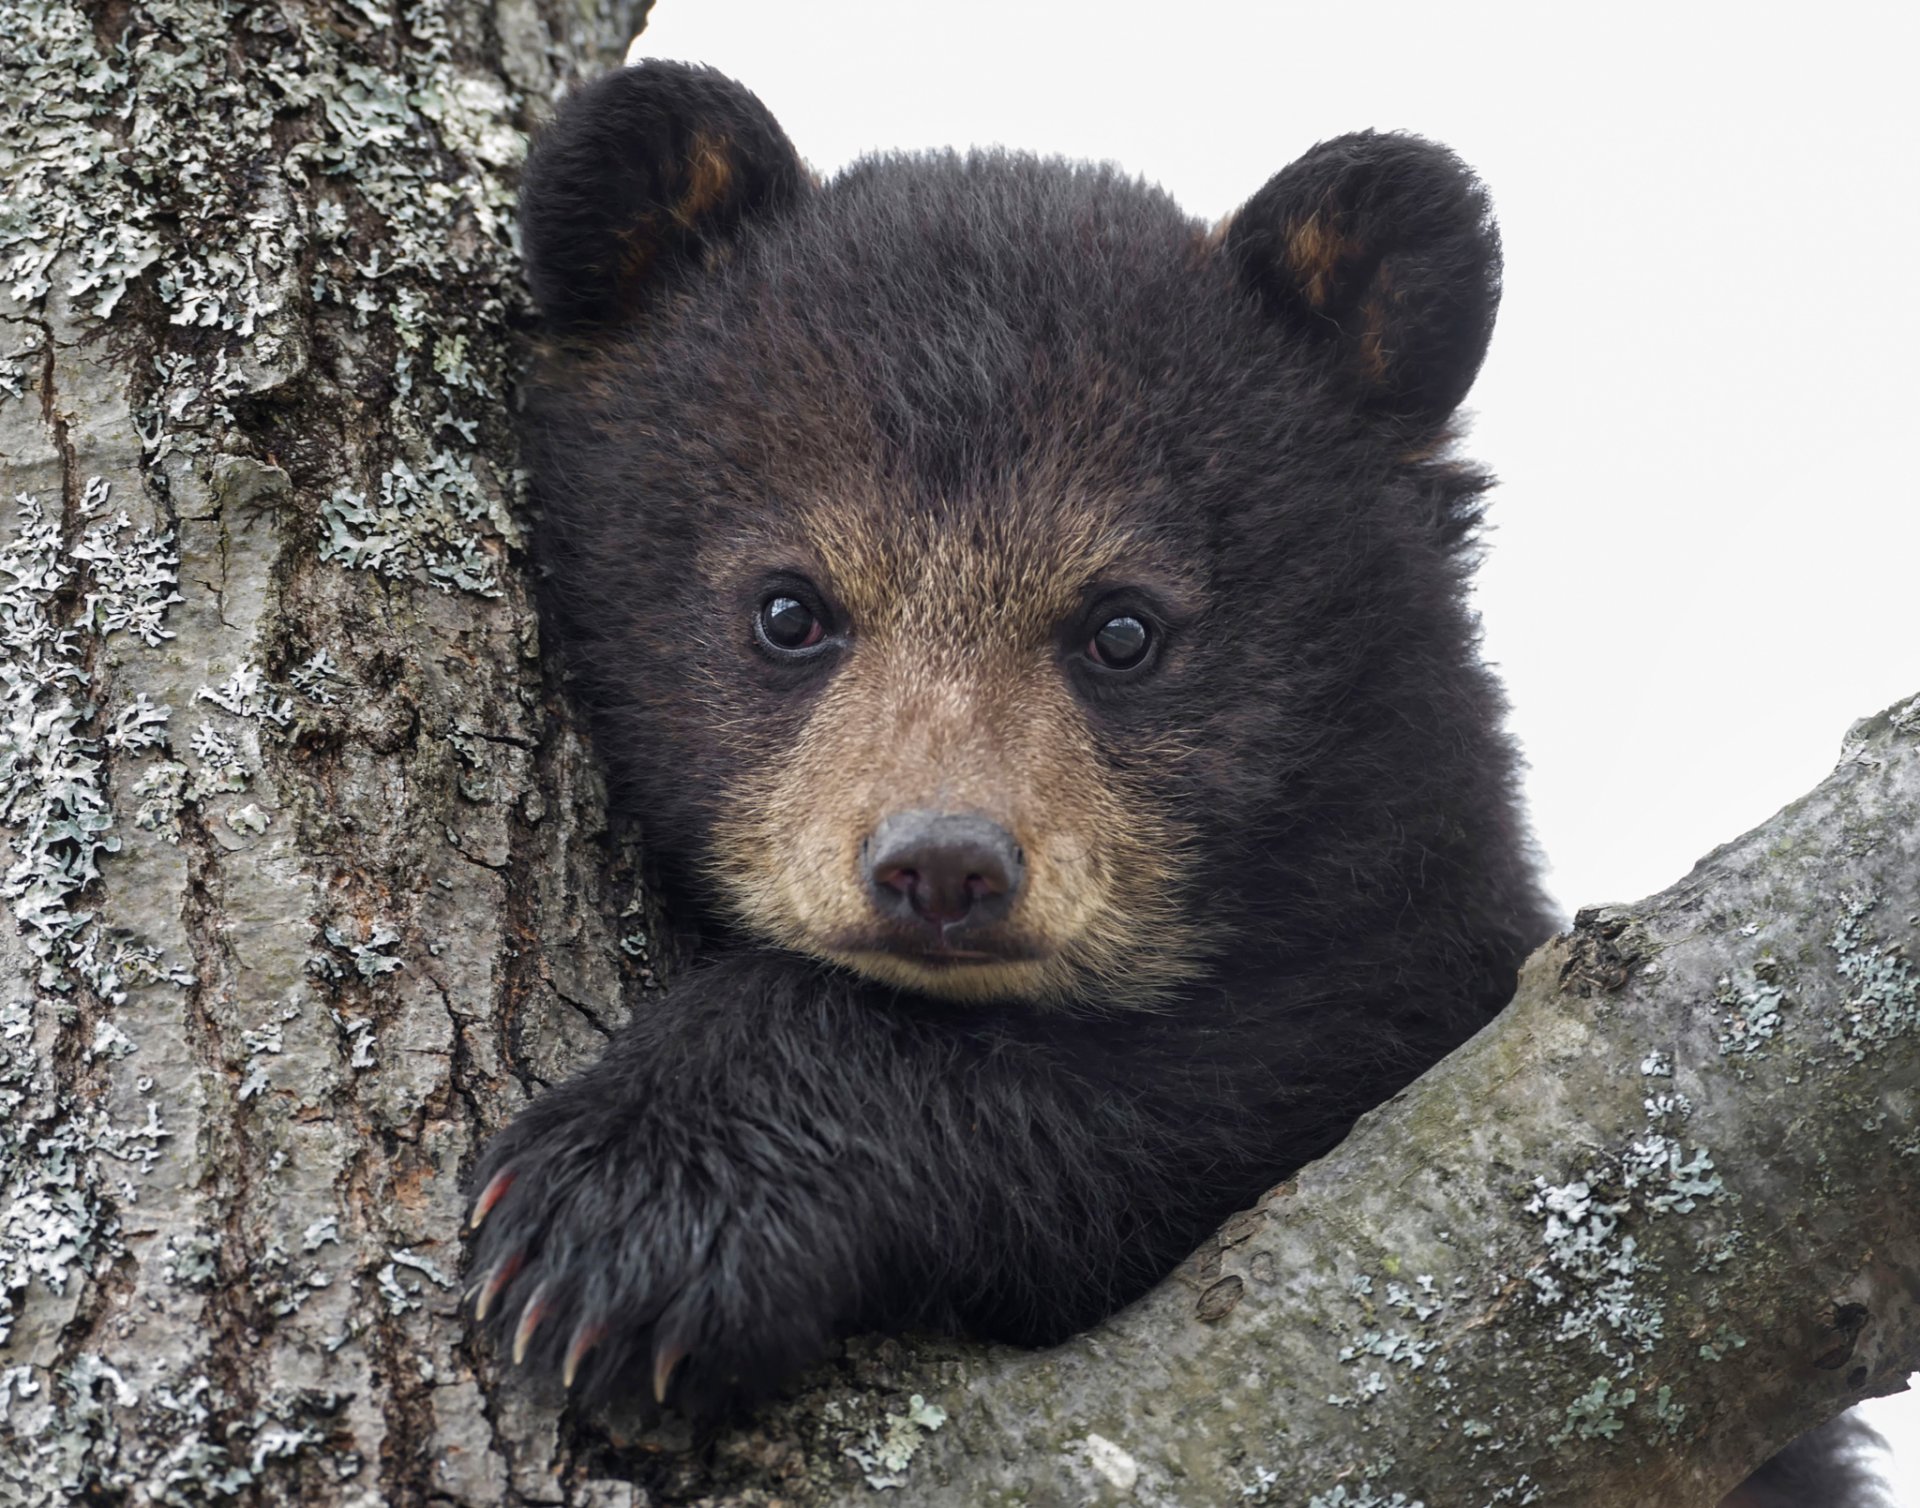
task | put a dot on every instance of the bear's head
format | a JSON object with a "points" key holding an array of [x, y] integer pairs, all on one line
{"points": [[989, 579]]}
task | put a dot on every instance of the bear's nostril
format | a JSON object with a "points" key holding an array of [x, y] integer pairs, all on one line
{"points": [[944, 869], [980, 886]]}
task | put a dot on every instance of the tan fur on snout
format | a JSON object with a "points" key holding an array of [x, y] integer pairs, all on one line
{"points": [[951, 696]]}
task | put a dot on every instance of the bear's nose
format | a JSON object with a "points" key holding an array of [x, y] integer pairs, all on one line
{"points": [[944, 868]]}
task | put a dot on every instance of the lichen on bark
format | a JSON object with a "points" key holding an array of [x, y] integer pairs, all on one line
{"points": [[276, 740]]}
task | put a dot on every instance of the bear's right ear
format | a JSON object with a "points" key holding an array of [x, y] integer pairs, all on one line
{"points": [[640, 174], [1379, 250]]}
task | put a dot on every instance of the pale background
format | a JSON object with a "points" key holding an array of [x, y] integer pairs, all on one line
{"points": [[1701, 394]]}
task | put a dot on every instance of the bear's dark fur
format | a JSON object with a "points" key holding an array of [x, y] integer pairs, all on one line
{"points": [[860, 500], [1829, 1467]]}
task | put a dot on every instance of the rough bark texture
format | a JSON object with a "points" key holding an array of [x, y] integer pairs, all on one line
{"points": [[307, 868], [312, 888]]}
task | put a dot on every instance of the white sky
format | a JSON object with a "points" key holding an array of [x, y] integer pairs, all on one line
{"points": [[1702, 390]]}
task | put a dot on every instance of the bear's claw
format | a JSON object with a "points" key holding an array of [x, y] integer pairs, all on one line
{"points": [[491, 1195], [667, 1356], [497, 1278], [530, 1317], [585, 1338]]}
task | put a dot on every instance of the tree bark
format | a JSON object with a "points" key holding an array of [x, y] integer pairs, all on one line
{"points": [[313, 888], [308, 866]]}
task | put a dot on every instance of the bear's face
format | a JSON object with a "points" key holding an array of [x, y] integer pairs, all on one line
{"points": [[948, 808], [977, 567]]}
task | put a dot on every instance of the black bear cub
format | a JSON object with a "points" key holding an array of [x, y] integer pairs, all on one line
{"points": [[1031, 626]]}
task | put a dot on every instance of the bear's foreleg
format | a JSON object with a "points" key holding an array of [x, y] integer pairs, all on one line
{"points": [[748, 1170], [779, 1152]]}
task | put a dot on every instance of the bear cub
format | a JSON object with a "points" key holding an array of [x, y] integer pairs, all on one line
{"points": [[1031, 627]]}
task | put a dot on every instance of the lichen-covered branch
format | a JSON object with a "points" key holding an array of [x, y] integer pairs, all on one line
{"points": [[310, 887]]}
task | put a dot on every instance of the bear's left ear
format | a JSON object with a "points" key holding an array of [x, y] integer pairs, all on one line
{"points": [[639, 176], [1381, 249]]}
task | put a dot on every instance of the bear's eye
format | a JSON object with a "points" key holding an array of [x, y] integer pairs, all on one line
{"points": [[1120, 643], [788, 626]]}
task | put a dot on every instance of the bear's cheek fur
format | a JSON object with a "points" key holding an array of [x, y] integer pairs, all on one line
{"points": [[1103, 912]]}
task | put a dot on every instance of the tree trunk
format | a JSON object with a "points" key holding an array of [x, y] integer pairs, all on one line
{"points": [[313, 889], [307, 864]]}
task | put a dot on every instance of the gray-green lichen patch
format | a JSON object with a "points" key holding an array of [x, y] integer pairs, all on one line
{"points": [[225, 755], [65, 1167], [320, 679], [1521, 1491], [1598, 1413], [244, 694], [263, 1044], [50, 786], [1268, 1487], [193, 1259], [1883, 991], [1404, 1339], [399, 1280], [20, 358], [1593, 1229], [1365, 1495], [133, 580], [1752, 1012], [52, 791], [885, 1449], [418, 523], [1399, 1342], [1608, 1241], [216, 1448], [366, 949], [359, 956]]}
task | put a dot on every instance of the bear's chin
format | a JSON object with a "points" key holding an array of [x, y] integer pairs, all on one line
{"points": [[972, 978]]}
